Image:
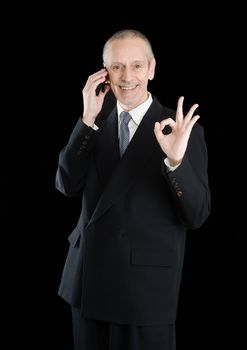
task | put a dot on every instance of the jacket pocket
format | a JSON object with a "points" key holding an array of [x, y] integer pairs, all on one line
{"points": [[74, 237], [146, 258]]}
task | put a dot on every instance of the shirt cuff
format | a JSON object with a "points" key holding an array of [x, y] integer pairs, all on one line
{"points": [[169, 166], [95, 127]]}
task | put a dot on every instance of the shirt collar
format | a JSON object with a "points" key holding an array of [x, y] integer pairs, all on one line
{"points": [[137, 113]]}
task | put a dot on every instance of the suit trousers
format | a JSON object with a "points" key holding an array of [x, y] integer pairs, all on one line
{"points": [[100, 335]]}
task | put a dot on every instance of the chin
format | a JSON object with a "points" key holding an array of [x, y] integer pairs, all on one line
{"points": [[128, 103]]}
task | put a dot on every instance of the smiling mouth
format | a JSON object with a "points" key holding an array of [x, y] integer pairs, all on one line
{"points": [[127, 88]]}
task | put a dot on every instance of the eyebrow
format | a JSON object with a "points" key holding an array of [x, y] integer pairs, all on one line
{"points": [[136, 61]]}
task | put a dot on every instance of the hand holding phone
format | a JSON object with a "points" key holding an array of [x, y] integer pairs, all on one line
{"points": [[94, 93], [102, 86]]}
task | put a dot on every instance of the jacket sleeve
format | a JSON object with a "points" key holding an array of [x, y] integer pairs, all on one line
{"points": [[189, 182], [74, 159]]}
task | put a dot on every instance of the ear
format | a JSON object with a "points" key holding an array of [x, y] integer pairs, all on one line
{"points": [[151, 71]]}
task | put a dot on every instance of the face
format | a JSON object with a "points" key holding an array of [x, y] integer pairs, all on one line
{"points": [[129, 70]]}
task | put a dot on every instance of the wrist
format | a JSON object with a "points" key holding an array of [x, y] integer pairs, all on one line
{"points": [[174, 163], [88, 121]]}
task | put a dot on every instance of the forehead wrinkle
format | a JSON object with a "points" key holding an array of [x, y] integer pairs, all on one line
{"points": [[132, 62]]}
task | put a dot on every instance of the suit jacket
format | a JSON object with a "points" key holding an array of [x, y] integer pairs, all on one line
{"points": [[126, 252]]}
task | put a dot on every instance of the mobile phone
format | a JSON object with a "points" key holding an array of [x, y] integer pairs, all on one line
{"points": [[101, 86]]}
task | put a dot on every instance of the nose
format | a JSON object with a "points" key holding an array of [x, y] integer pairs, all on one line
{"points": [[126, 74]]}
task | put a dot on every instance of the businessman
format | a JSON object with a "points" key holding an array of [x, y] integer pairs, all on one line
{"points": [[141, 169]]}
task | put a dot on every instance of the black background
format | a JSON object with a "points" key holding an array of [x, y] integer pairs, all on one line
{"points": [[47, 55]]}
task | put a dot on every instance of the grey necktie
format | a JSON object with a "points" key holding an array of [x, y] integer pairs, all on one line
{"points": [[124, 131]]}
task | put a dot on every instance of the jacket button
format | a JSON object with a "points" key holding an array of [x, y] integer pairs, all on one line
{"points": [[179, 193]]}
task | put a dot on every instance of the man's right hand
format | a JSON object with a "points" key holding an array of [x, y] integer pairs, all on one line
{"points": [[92, 102]]}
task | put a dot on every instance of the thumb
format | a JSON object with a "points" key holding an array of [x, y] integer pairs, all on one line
{"points": [[158, 131]]}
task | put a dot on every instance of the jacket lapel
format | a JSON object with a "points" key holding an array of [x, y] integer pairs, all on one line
{"points": [[107, 148], [127, 170]]}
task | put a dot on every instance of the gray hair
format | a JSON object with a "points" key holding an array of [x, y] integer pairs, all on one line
{"points": [[128, 33]]}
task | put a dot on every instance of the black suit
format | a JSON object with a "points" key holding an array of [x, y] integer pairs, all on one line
{"points": [[126, 253]]}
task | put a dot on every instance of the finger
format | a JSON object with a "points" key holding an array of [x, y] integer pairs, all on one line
{"points": [[179, 112], [192, 122], [158, 131], [107, 88], [166, 122], [194, 119], [92, 85], [94, 75], [95, 79], [101, 74], [189, 115]]}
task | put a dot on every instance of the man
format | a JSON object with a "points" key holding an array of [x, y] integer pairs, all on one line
{"points": [[123, 269]]}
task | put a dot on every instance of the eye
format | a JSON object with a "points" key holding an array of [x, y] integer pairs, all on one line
{"points": [[116, 67], [138, 66]]}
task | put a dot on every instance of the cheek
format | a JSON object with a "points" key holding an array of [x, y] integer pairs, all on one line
{"points": [[144, 79], [113, 77]]}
